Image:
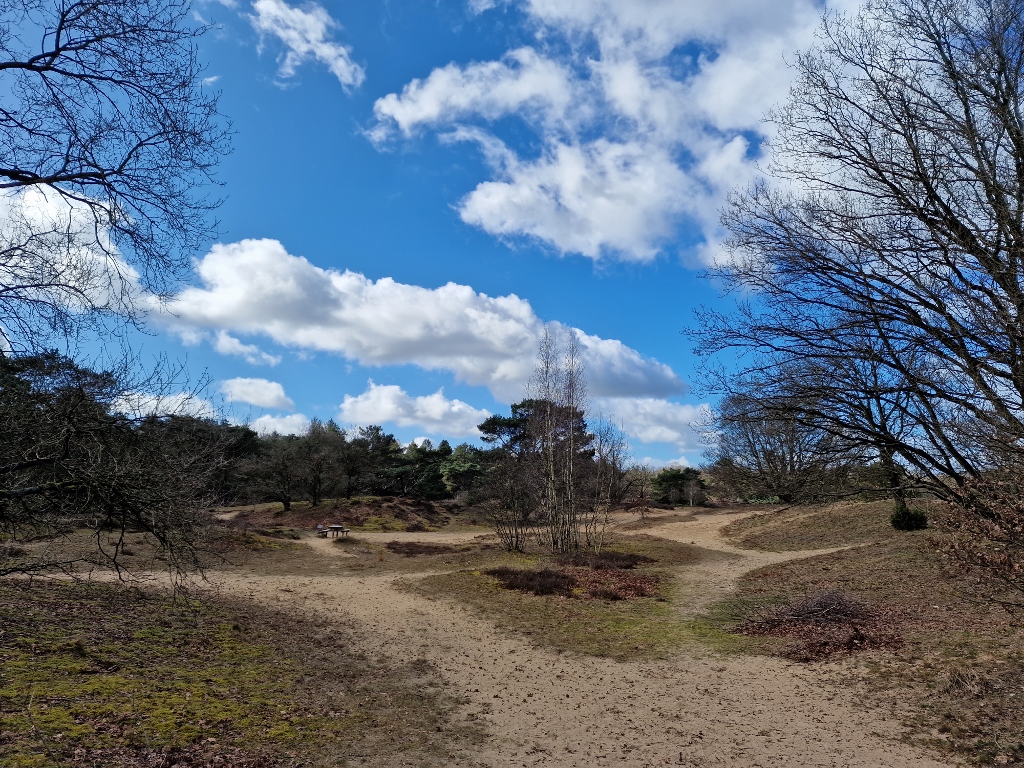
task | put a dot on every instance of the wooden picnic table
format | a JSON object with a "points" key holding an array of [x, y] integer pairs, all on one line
{"points": [[337, 530]]}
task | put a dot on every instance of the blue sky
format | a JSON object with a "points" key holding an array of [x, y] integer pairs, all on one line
{"points": [[416, 187]]}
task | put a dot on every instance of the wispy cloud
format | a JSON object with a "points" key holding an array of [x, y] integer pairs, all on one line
{"points": [[306, 34]]}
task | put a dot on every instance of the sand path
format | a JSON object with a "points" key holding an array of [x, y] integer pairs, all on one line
{"points": [[704, 584], [543, 708]]}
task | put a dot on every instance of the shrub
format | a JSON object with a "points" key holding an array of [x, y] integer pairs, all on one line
{"points": [[543, 582], [906, 519]]}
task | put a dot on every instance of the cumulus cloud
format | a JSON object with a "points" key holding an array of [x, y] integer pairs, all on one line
{"points": [[259, 392], [591, 199], [293, 424], [257, 287], [521, 81], [654, 420], [434, 413], [638, 134], [306, 34]]}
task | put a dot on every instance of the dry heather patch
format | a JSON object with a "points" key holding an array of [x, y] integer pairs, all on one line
{"points": [[360, 513], [814, 527]]}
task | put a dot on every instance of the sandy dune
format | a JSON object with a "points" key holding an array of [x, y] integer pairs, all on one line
{"points": [[542, 708]]}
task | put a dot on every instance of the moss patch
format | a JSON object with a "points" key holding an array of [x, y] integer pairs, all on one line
{"points": [[95, 674]]}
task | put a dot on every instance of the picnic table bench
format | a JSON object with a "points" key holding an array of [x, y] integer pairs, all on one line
{"points": [[336, 530]]}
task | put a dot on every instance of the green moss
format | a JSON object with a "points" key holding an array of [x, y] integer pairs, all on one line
{"points": [[180, 678]]}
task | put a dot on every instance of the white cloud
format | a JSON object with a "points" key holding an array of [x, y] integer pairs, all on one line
{"points": [[256, 287], [141, 404], [259, 392], [435, 413], [522, 81], [293, 424], [208, 81], [306, 33], [227, 344], [58, 250], [637, 134], [596, 199], [653, 420]]}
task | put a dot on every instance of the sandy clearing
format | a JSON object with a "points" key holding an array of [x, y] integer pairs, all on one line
{"points": [[543, 708], [329, 547]]}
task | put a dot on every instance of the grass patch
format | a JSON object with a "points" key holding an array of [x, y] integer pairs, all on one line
{"points": [[634, 618], [629, 629], [102, 675], [796, 528], [415, 548]]}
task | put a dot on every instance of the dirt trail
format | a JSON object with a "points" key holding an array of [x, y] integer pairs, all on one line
{"points": [[542, 708], [704, 584]]}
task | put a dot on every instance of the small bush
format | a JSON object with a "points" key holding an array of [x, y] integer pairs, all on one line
{"points": [[906, 519], [543, 582]]}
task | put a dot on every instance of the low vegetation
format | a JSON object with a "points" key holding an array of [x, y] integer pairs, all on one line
{"points": [[825, 624], [619, 604], [948, 664], [103, 675]]}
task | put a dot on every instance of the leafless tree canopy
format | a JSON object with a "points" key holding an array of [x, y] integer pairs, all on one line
{"points": [[73, 458], [885, 256], [107, 142]]}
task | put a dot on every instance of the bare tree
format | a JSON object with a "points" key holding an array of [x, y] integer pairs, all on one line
{"points": [[107, 139], [559, 389], [606, 486], [889, 241], [639, 488], [760, 449]]}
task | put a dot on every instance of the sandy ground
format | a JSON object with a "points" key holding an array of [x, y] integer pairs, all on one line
{"points": [[543, 708]]}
